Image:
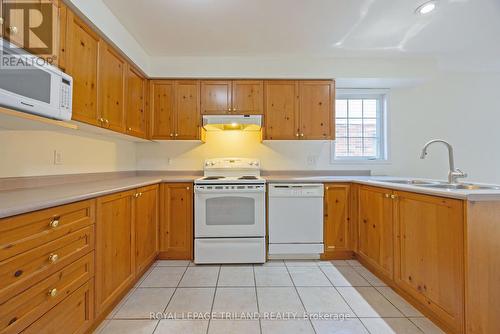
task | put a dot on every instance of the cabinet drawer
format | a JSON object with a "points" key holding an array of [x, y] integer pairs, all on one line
{"points": [[20, 272], [73, 315], [20, 311], [21, 233]]}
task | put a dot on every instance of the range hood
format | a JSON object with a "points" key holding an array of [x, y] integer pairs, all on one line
{"points": [[232, 122]]}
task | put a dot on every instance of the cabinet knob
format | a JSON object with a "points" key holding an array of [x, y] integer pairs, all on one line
{"points": [[129, 129], [187, 188], [302, 135], [53, 258], [171, 135], [13, 30], [387, 195], [101, 120], [106, 121], [394, 196], [1, 20], [136, 195], [52, 292], [296, 135], [176, 135], [54, 222]]}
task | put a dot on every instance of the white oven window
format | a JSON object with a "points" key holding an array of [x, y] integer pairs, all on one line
{"points": [[230, 210]]}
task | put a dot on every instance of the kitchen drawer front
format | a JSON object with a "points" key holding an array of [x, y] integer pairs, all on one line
{"points": [[22, 271], [20, 311], [21, 233], [74, 315]]}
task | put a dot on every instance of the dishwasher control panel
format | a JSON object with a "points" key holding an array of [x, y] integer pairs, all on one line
{"points": [[296, 190]]}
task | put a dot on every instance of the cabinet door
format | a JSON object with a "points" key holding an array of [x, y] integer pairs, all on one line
{"points": [[317, 104], [281, 110], [176, 222], [112, 72], [136, 116], [247, 97], [215, 97], [162, 113], [146, 227], [187, 109], [82, 49], [13, 25], [63, 23], [376, 229], [336, 221], [430, 254], [115, 267]]}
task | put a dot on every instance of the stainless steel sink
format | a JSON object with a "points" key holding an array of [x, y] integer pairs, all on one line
{"points": [[412, 182], [461, 186]]}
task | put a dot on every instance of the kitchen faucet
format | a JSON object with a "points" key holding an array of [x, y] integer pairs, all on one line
{"points": [[454, 174]]}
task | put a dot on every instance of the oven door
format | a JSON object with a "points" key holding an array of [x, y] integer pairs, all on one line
{"points": [[229, 211]]}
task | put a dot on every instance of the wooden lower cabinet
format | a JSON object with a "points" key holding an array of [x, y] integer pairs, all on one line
{"points": [[337, 231], [176, 221], [115, 265], [20, 311], [429, 256], [74, 315], [375, 229], [146, 227]]}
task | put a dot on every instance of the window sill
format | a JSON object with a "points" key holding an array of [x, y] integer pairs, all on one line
{"points": [[360, 162]]}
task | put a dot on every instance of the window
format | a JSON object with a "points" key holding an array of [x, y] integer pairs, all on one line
{"points": [[360, 128]]}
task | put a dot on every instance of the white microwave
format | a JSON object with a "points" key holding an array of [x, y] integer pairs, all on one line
{"points": [[36, 87]]}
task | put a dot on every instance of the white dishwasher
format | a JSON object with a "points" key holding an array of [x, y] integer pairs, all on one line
{"points": [[295, 220]]}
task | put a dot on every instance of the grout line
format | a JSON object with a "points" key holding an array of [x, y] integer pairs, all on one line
{"points": [[213, 299], [257, 298], [300, 298], [172, 296]]}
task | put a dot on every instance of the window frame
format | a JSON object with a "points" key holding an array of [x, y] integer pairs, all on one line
{"points": [[382, 130]]}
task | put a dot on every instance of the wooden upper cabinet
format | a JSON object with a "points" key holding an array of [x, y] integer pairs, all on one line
{"points": [[176, 222], [247, 97], [63, 33], [317, 100], [187, 106], [430, 254], [162, 103], [216, 97], [82, 50], [336, 221], [112, 74], [146, 226], [281, 109], [175, 109], [376, 232], [135, 108], [115, 258]]}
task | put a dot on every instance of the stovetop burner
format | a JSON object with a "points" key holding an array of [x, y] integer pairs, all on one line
{"points": [[247, 177], [213, 177]]}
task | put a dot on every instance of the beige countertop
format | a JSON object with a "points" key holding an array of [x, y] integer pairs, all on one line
{"points": [[18, 201]]}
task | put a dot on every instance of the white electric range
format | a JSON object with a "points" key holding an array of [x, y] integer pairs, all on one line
{"points": [[230, 212]]}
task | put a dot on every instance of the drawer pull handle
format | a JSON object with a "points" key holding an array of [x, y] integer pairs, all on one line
{"points": [[54, 223], [52, 292], [53, 258], [18, 273]]}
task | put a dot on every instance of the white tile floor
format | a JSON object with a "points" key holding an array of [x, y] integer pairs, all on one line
{"points": [[294, 293]]}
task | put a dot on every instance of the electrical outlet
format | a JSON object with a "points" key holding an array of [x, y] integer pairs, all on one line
{"points": [[58, 157]]}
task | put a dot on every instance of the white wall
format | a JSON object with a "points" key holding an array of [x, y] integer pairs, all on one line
{"points": [[27, 153], [462, 108]]}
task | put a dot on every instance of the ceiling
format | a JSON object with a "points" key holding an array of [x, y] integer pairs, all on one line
{"points": [[311, 27]]}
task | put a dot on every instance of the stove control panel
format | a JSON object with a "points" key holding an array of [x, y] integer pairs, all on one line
{"points": [[232, 163]]}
